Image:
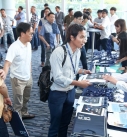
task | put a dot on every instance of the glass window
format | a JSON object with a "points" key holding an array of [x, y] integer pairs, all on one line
{"points": [[20, 3], [79, 5], [120, 5], [39, 4]]}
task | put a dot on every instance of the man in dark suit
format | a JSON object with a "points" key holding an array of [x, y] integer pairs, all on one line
{"points": [[60, 20], [42, 12]]}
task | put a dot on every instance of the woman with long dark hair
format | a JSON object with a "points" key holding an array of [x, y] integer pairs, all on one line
{"points": [[122, 40], [120, 26]]}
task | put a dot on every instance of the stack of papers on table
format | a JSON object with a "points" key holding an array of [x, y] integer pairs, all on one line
{"points": [[117, 115], [94, 77], [90, 105]]}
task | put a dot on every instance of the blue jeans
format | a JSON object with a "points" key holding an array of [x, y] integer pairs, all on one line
{"points": [[42, 51], [34, 41], [11, 35], [61, 109], [3, 129]]}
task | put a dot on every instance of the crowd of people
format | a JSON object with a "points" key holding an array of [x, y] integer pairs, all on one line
{"points": [[48, 32]]}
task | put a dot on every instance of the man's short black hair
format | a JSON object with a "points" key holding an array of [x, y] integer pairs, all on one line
{"points": [[2, 9], [46, 4], [58, 7], [113, 8], [85, 16], [69, 10], [78, 14], [21, 7], [105, 10], [99, 11], [73, 30], [51, 13], [47, 8], [22, 27]]}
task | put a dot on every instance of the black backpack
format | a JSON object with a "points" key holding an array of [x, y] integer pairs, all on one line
{"points": [[44, 81]]}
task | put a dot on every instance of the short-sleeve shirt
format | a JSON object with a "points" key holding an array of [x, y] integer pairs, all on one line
{"points": [[20, 57], [22, 16], [34, 19], [49, 31], [7, 23], [68, 19], [42, 21], [97, 20], [105, 33]]}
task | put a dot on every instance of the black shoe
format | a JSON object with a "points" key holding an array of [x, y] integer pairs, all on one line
{"points": [[28, 116]]}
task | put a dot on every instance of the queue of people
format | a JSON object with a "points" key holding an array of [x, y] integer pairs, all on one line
{"points": [[72, 30]]}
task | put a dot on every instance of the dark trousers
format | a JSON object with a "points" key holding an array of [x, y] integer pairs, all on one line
{"points": [[61, 109], [87, 44], [42, 51], [61, 32], [83, 57], [97, 37], [112, 43], [102, 43], [3, 129], [83, 60], [34, 41]]}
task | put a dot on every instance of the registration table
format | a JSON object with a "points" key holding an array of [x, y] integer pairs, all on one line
{"points": [[93, 31], [112, 130]]}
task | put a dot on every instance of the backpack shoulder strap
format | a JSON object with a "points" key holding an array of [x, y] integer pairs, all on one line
{"points": [[65, 55]]}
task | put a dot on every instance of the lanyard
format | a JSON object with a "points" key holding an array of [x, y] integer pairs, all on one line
{"points": [[70, 58]]}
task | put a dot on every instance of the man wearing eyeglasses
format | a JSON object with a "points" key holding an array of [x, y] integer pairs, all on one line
{"points": [[18, 60]]}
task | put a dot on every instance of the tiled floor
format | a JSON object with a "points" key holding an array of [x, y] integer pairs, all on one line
{"points": [[38, 126]]}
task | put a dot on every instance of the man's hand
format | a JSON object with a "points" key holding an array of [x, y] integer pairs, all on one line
{"points": [[84, 83], [7, 101], [2, 74], [48, 46], [87, 72], [110, 79]]}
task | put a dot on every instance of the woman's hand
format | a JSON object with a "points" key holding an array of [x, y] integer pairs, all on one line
{"points": [[110, 79]]}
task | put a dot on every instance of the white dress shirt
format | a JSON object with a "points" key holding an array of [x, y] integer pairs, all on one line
{"points": [[20, 57], [63, 76], [113, 18], [121, 83], [120, 77], [105, 33]]}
